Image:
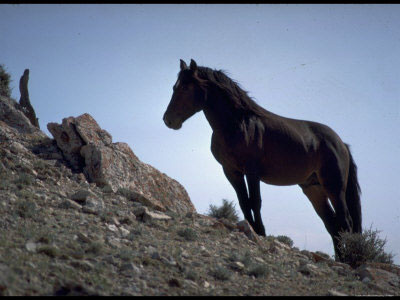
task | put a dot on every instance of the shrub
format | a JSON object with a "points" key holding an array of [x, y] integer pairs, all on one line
{"points": [[25, 208], [5, 80], [358, 248], [258, 271], [285, 239], [221, 273], [226, 210], [23, 179], [188, 233]]}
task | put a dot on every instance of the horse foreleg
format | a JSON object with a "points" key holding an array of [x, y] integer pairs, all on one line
{"points": [[237, 181], [253, 183]]}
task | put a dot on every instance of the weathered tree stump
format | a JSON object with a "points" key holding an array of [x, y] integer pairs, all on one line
{"points": [[24, 101]]}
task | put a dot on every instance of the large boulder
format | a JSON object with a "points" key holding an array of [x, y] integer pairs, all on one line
{"points": [[89, 149]]}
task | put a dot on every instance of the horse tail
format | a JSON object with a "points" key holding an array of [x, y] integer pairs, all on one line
{"points": [[353, 193]]}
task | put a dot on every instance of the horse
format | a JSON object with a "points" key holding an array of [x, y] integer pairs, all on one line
{"points": [[255, 144]]}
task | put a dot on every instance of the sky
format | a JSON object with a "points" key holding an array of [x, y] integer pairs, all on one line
{"points": [[334, 64]]}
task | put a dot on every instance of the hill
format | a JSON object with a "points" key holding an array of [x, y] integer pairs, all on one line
{"points": [[81, 215]]}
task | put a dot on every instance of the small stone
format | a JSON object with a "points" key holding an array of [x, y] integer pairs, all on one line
{"points": [[237, 265], [173, 282], [130, 269], [155, 255], [80, 196], [67, 204], [309, 269], [146, 215], [124, 232], [112, 227], [336, 293], [83, 237], [83, 265], [31, 246]]}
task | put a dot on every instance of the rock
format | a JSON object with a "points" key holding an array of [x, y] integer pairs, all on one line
{"points": [[381, 278], [333, 292], [174, 282], [89, 148], [81, 196], [74, 289], [146, 215], [318, 258], [13, 121], [93, 206], [237, 265], [112, 228], [309, 269], [84, 265], [129, 269], [83, 237], [246, 228], [31, 246], [66, 203]]}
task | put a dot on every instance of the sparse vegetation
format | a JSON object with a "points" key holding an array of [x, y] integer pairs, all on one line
{"points": [[5, 80], [25, 208], [221, 273], [226, 210], [258, 270], [358, 248], [188, 234], [24, 179], [285, 239]]}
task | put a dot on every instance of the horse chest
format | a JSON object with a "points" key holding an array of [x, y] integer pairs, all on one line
{"points": [[230, 154]]}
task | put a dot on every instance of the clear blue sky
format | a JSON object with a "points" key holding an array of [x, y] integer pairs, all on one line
{"points": [[334, 64]]}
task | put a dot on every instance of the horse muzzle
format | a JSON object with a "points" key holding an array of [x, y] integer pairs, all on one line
{"points": [[172, 124]]}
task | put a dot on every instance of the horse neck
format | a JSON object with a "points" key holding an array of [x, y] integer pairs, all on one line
{"points": [[220, 111]]}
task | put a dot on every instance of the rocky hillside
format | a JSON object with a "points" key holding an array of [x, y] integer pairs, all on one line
{"points": [[81, 215]]}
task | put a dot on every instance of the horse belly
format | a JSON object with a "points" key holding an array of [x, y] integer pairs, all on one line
{"points": [[286, 173]]}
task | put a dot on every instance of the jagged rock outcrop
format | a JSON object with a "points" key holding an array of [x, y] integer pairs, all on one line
{"points": [[13, 122], [86, 148], [25, 102], [89, 148]]}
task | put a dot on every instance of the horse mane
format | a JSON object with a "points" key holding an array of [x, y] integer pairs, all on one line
{"points": [[248, 113]]}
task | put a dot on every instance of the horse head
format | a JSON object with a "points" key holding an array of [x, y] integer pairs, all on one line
{"points": [[188, 98]]}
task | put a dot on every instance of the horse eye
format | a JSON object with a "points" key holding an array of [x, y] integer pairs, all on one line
{"points": [[184, 87]]}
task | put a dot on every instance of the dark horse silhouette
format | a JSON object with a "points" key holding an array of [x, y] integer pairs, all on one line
{"points": [[249, 141]]}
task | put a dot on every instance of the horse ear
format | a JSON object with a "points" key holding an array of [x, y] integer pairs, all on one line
{"points": [[183, 65], [193, 65]]}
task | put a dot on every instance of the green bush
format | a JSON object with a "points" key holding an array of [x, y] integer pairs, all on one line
{"points": [[221, 273], [225, 211], [5, 80], [358, 248], [188, 234], [285, 239], [258, 271], [25, 208]]}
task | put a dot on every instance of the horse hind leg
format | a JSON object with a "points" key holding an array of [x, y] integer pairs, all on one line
{"points": [[334, 184], [319, 200], [333, 178]]}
